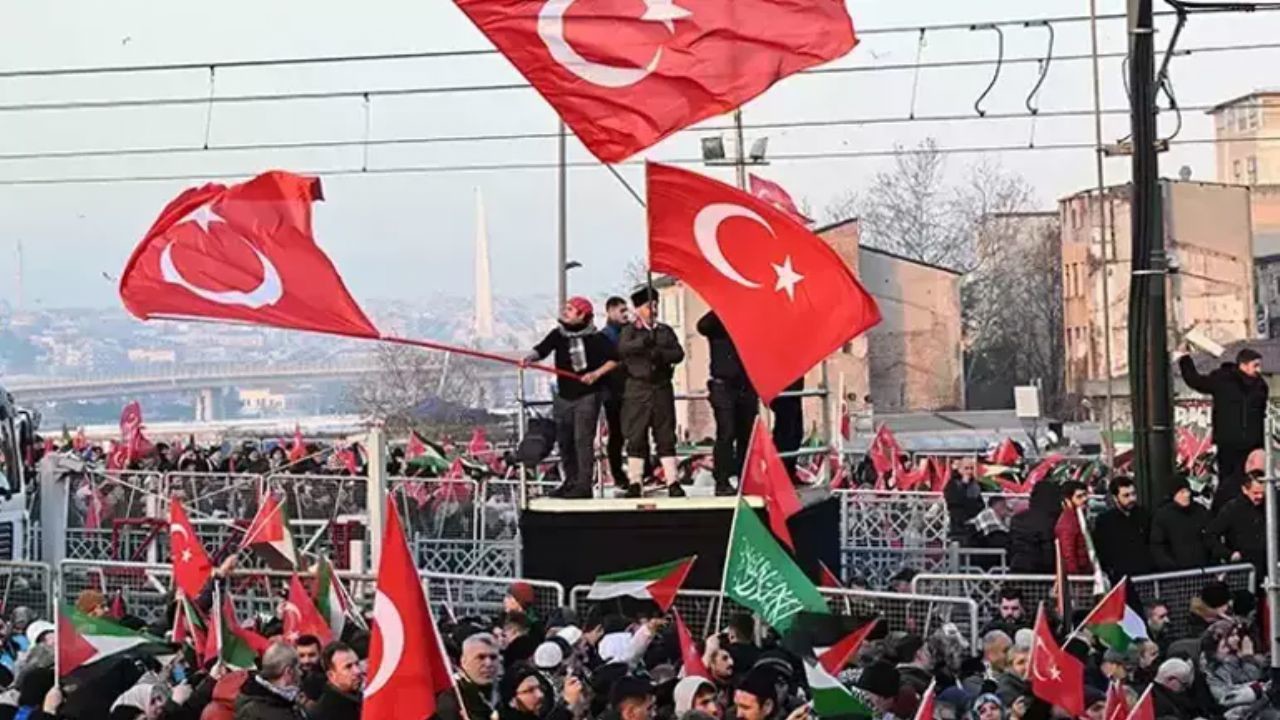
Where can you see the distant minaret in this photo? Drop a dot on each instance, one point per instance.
(17, 286)
(484, 287)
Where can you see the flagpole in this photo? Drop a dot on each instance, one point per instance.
(733, 527)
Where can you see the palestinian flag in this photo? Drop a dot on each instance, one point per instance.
(1115, 623)
(268, 535)
(830, 698)
(237, 647)
(189, 624)
(332, 600)
(658, 583)
(84, 639)
(421, 453)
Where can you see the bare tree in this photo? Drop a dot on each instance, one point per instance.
(636, 273)
(409, 379)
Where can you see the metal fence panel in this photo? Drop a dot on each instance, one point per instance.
(1176, 589)
(475, 596)
(984, 589)
(874, 567)
(468, 557)
(26, 584)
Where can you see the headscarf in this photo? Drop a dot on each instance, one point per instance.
(138, 696)
(984, 699)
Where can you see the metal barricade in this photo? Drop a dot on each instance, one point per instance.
(439, 508)
(321, 497)
(870, 518)
(914, 612)
(875, 567)
(468, 557)
(26, 584)
(476, 596)
(1176, 589)
(144, 587)
(985, 589)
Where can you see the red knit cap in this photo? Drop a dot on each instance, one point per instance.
(581, 304)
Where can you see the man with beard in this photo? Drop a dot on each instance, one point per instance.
(344, 678)
(1239, 395)
(585, 356)
(1122, 534)
(478, 670)
(618, 315)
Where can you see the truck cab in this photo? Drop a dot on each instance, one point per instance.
(17, 474)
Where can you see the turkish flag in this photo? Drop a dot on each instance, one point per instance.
(301, 617)
(136, 445)
(773, 194)
(406, 661)
(191, 566)
(884, 452)
(298, 450)
(1117, 703)
(689, 657)
(1056, 676)
(624, 75)
(764, 475)
(243, 253)
(785, 296)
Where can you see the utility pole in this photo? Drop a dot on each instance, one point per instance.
(1106, 242)
(562, 241)
(1148, 325)
(740, 157)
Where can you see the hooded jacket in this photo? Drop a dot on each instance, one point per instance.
(257, 701)
(1031, 532)
(1177, 536)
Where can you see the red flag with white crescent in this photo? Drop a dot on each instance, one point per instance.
(1056, 676)
(775, 195)
(191, 566)
(243, 253)
(764, 475)
(625, 75)
(773, 283)
(301, 616)
(407, 666)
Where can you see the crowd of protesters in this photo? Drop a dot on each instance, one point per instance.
(622, 660)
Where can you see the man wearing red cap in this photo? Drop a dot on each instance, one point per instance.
(581, 350)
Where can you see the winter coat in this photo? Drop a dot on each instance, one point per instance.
(336, 705)
(259, 702)
(1122, 541)
(1231, 680)
(1170, 704)
(1070, 537)
(964, 502)
(477, 699)
(914, 677)
(1240, 527)
(649, 356)
(1031, 532)
(726, 364)
(1010, 687)
(1239, 403)
(1177, 537)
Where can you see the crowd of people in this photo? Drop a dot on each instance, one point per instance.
(623, 660)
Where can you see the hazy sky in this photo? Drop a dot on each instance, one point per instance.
(401, 235)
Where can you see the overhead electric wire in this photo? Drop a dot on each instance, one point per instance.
(361, 93)
(638, 163)
(549, 135)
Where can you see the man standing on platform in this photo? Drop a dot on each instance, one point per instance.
(1239, 407)
(733, 401)
(617, 314)
(582, 351)
(649, 351)
(788, 424)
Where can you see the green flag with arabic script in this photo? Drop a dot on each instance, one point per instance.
(763, 577)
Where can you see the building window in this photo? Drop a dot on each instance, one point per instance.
(1253, 170)
(1235, 170)
(1242, 119)
(1254, 116)
(1277, 284)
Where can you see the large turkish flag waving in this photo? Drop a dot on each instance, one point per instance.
(786, 298)
(242, 253)
(625, 74)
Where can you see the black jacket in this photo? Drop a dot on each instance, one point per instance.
(260, 703)
(336, 705)
(649, 355)
(964, 502)
(1240, 527)
(726, 365)
(1239, 403)
(1174, 705)
(1123, 543)
(597, 350)
(1177, 536)
(1031, 532)
(478, 701)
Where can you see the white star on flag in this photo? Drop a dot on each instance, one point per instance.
(186, 556)
(788, 278)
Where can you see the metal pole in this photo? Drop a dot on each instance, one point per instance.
(740, 157)
(522, 427)
(562, 243)
(1273, 543)
(375, 490)
(1108, 413)
(1148, 344)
